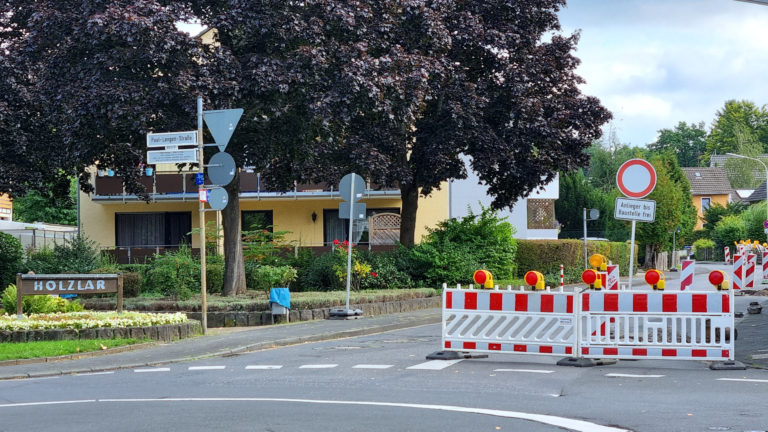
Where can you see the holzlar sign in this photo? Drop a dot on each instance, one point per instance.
(57, 284)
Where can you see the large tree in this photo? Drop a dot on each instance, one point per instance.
(688, 142)
(735, 122)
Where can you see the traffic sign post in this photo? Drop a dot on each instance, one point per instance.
(351, 189)
(636, 178)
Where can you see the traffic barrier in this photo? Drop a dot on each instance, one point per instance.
(484, 278)
(612, 280)
(727, 252)
(765, 266)
(749, 271)
(655, 279)
(509, 321)
(535, 280)
(686, 275)
(562, 276)
(737, 274)
(685, 325)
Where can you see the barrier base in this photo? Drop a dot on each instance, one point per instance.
(345, 314)
(728, 365)
(454, 355)
(585, 362)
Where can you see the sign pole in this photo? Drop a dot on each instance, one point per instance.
(586, 266)
(632, 254)
(201, 209)
(349, 246)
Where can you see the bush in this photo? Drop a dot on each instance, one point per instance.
(214, 277)
(38, 304)
(131, 284)
(76, 255)
(386, 273)
(266, 277)
(319, 275)
(753, 218)
(457, 247)
(729, 230)
(11, 259)
(174, 274)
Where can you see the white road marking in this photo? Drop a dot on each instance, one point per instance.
(525, 370)
(434, 365)
(263, 367)
(743, 380)
(65, 402)
(561, 422)
(371, 366)
(318, 366)
(618, 375)
(96, 373)
(152, 370)
(200, 368)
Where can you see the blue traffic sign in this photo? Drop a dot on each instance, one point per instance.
(199, 179)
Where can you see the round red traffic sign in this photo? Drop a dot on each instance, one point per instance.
(765, 224)
(636, 178)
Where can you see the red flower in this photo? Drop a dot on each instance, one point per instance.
(374, 274)
(336, 242)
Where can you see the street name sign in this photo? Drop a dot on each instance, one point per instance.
(171, 139)
(635, 210)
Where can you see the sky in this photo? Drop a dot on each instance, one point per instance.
(654, 63)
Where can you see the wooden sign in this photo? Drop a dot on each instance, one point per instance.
(57, 284)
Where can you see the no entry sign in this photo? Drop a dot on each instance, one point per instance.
(636, 178)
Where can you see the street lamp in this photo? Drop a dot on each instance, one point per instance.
(766, 177)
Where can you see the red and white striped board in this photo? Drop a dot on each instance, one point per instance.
(727, 253)
(657, 353)
(737, 274)
(765, 266)
(612, 280)
(749, 271)
(510, 301)
(686, 275)
(688, 302)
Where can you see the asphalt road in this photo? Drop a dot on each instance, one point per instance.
(383, 383)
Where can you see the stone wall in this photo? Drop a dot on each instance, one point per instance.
(165, 333)
(242, 319)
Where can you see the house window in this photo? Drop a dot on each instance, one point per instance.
(256, 220)
(337, 229)
(169, 229)
(541, 214)
(705, 204)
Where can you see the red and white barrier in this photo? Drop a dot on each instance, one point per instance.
(562, 276)
(509, 321)
(765, 266)
(612, 280)
(686, 275)
(684, 325)
(737, 274)
(727, 252)
(749, 271)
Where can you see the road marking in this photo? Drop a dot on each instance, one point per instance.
(199, 368)
(759, 356)
(96, 373)
(743, 380)
(318, 366)
(371, 366)
(434, 365)
(264, 367)
(561, 422)
(152, 370)
(525, 371)
(618, 375)
(65, 402)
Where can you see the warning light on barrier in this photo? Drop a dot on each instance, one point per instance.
(598, 262)
(535, 280)
(719, 279)
(484, 278)
(655, 279)
(591, 278)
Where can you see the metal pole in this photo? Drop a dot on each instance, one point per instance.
(632, 255)
(349, 246)
(585, 240)
(201, 209)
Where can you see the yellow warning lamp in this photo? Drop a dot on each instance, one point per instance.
(655, 279)
(591, 278)
(719, 279)
(598, 262)
(535, 280)
(484, 278)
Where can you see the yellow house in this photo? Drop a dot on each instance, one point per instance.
(709, 185)
(309, 213)
(6, 208)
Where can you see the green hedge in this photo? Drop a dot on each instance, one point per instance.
(547, 255)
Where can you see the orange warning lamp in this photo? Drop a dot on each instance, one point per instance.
(591, 278)
(719, 279)
(598, 262)
(655, 279)
(484, 278)
(535, 280)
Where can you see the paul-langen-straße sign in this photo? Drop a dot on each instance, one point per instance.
(57, 284)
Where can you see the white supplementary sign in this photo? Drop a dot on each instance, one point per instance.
(635, 209)
(171, 139)
(172, 156)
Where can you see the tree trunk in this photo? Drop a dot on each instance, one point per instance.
(410, 199)
(234, 270)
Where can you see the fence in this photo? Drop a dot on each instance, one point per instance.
(41, 238)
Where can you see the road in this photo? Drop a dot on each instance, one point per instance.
(383, 383)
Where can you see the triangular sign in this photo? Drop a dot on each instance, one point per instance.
(222, 124)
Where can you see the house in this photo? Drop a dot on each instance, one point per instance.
(6, 208)
(709, 185)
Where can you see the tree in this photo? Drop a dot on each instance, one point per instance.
(606, 156)
(576, 194)
(688, 142)
(397, 91)
(716, 212)
(38, 206)
(741, 171)
(735, 118)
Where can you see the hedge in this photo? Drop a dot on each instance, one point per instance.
(547, 255)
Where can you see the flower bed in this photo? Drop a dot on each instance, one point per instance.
(88, 320)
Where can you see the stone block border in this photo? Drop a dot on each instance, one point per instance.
(242, 319)
(164, 333)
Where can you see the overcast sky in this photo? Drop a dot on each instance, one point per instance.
(654, 63)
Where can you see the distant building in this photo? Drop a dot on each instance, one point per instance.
(6, 208)
(709, 186)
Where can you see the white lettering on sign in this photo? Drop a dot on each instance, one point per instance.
(100, 285)
(635, 209)
(38, 285)
(70, 285)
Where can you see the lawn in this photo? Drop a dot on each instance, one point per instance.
(28, 350)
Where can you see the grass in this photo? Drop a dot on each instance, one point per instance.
(28, 350)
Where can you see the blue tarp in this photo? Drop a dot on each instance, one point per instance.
(280, 296)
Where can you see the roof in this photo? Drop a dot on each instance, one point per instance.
(757, 195)
(708, 181)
